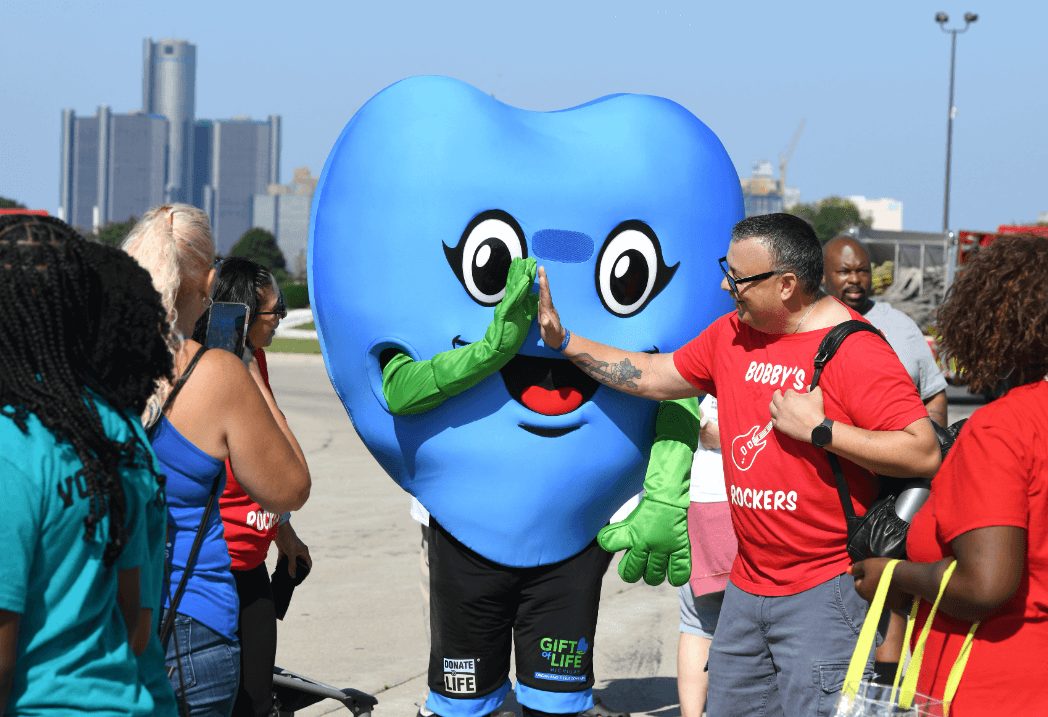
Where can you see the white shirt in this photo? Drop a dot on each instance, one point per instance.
(707, 470)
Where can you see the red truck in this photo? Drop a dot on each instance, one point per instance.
(42, 212)
(970, 242)
(974, 241)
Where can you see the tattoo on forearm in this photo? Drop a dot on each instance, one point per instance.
(617, 374)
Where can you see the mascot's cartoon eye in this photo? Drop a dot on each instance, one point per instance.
(630, 270)
(481, 259)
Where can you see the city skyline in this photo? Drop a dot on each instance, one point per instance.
(871, 80)
(116, 166)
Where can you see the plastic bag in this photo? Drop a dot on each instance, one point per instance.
(869, 699)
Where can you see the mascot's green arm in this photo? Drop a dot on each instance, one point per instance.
(655, 535)
(416, 386)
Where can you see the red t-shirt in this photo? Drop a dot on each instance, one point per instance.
(249, 529)
(996, 474)
(785, 508)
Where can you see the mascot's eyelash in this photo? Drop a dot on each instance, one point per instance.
(630, 271)
(482, 256)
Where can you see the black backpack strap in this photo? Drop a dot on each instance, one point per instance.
(842, 491)
(833, 340)
(827, 349)
(182, 379)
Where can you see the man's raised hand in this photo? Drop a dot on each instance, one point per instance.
(549, 320)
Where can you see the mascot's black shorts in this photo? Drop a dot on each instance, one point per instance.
(477, 606)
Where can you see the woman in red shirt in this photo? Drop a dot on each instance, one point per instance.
(988, 507)
(249, 529)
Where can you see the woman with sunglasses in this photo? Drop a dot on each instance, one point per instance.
(211, 411)
(249, 528)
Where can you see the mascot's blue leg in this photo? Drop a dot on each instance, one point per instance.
(467, 707)
(539, 703)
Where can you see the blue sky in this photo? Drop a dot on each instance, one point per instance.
(871, 80)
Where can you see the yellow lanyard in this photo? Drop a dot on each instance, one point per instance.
(906, 693)
(909, 685)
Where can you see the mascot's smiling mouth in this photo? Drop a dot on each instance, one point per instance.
(551, 387)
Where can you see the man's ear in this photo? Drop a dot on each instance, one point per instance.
(788, 286)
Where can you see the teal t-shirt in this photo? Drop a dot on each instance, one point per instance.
(72, 656)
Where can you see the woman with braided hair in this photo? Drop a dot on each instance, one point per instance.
(213, 410)
(79, 488)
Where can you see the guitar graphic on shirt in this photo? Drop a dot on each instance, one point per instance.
(746, 447)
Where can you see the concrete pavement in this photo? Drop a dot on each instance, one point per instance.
(357, 620)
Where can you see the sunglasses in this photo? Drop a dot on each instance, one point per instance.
(280, 309)
(734, 283)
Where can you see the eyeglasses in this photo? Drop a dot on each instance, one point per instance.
(734, 283)
(280, 309)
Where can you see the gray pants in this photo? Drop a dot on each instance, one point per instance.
(784, 656)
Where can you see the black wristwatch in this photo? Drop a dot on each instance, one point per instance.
(822, 434)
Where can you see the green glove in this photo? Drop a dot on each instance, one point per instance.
(655, 534)
(416, 386)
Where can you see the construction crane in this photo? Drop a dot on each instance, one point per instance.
(784, 159)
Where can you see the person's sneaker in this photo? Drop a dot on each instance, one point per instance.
(599, 710)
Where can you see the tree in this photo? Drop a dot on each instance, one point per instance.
(6, 203)
(830, 217)
(114, 233)
(261, 246)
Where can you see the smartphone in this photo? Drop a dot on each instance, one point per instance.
(227, 327)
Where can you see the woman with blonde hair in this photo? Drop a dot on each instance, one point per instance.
(213, 410)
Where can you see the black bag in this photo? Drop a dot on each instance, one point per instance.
(881, 532)
(283, 584)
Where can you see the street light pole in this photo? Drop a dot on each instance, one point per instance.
(942, 18)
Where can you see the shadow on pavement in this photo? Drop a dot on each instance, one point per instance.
(636, 695)
(647, 695)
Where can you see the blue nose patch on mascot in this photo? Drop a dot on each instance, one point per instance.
(431, 189)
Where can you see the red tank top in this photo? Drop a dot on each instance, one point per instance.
(249, 528)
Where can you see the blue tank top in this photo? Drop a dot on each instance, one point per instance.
(211, 594)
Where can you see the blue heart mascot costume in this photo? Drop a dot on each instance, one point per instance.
(431, 212)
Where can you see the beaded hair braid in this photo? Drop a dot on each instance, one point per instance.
(81, 321)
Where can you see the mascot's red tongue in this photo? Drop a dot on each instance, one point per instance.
(551, 403)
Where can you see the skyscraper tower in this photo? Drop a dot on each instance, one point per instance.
(236, 159)
(113, 166)
(169, 89)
